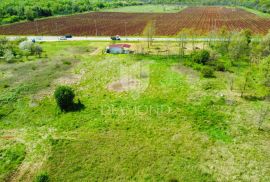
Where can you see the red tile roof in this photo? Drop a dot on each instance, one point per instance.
(120, 45)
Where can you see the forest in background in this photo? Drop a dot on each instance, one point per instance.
(14, 11)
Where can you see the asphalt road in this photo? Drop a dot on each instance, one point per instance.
(131, 39)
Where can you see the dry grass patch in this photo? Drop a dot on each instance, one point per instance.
(192, 75)
(124, 84)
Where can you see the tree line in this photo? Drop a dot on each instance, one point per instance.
(14, 11)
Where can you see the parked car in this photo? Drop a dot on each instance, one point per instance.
(68, 36)
(117, 37)
(63, 38)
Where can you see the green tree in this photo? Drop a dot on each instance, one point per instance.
(29, 14)
(200, 57)
(64, 97)
(207, 72)
(36, 50)
(239, 46)
(183, 34)
(8, 56)
(265, 70)
(265, 45)
(225, 36)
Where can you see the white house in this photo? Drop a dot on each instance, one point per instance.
(119, 49)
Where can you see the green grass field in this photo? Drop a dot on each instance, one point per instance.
(256, 12)
(176, 125)
(147, 9)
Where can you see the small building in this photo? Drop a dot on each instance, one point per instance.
(119, 49)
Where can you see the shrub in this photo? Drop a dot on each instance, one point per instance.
(43, 177)
(220, 66)
(207, 72)
(26, 46)
(193, 65)
(36, 49)
(30, 48)
(66, 62)
(64, 97)
(201, 57)
(8, 56)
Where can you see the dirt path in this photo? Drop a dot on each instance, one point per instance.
(96, 52)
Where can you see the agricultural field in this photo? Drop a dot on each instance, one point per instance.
(174, 126)
(199, 20)
(211, 19)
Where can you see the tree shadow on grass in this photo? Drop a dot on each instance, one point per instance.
(254, 98)
(75, 107)
(78, 106)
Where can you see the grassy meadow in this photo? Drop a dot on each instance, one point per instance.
(256, 12)
(175, 126)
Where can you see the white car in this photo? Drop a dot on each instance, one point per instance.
(62, 38)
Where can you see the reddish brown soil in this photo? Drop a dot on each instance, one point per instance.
(201, 20)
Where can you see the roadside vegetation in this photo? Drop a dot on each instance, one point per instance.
(257, 12)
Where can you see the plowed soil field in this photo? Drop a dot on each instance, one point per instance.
(201, 20)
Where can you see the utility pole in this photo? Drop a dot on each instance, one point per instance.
(153, 31)
(89, 24)
(96, 27)
(36, 26)
(126, 30)
(56, 28)
(149, 35)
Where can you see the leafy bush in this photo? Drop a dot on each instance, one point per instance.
(10, 19)
(66, 62)
(220, 66)
(26, 45)
(207, 72)
(193, 65)
(201, 57)
(36, 49)
(43, 177)
(30, 47)
(64, 97)
(8, 55)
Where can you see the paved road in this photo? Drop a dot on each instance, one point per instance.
(131, 39)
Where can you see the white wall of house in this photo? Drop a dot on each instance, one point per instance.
(116, 50)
